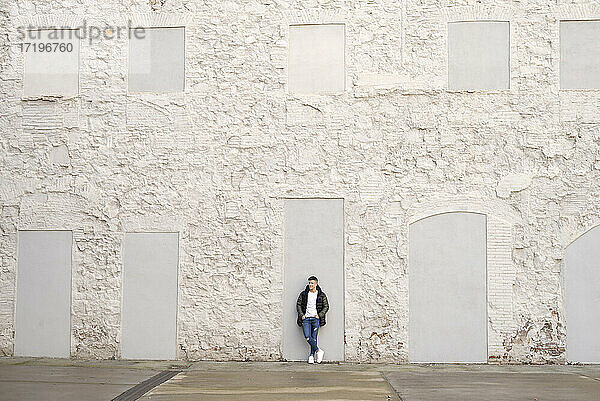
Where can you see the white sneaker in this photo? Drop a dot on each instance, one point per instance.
(320, 354)
(311, 359)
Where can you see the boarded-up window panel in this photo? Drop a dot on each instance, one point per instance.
(51, 62)
(447, 289)
(479, 55)
(43, 317)
(580, 54)
(314, 245)
(582, 298)
(157, 60)
(316, 58)
(149, 319)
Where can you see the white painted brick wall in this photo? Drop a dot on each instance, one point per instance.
(215, 162)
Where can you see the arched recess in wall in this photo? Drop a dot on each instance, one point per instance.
(502, 222)
(447, 288)
(581, 279)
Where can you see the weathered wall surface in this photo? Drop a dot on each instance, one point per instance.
(215, 162)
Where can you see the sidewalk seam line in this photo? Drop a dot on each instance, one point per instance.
(142, 388)
(390, 385)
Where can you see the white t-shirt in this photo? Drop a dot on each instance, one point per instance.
(311, 304)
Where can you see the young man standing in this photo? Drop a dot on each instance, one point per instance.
(312, 305)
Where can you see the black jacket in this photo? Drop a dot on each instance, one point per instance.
(322, 305)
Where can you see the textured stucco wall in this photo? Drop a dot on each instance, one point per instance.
(215, 162)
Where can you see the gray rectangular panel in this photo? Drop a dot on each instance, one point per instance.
(54, 72)
(157, 60)
(314, 245)
(43, 319)
(478, 55)
(582, 298)
(316, 58)
(149, 320)
(447, 289)
(580, 54)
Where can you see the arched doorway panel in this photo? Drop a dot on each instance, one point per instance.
(447, 288)
(581, 281)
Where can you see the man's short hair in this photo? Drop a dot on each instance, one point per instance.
(313, 278)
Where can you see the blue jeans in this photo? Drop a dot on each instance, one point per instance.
(310, 328)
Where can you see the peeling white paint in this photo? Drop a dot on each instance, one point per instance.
(513, 183)
(214, 162)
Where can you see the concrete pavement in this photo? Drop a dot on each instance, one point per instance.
(49, 379)
(273, 386)
(64, 379)
(506, 383)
